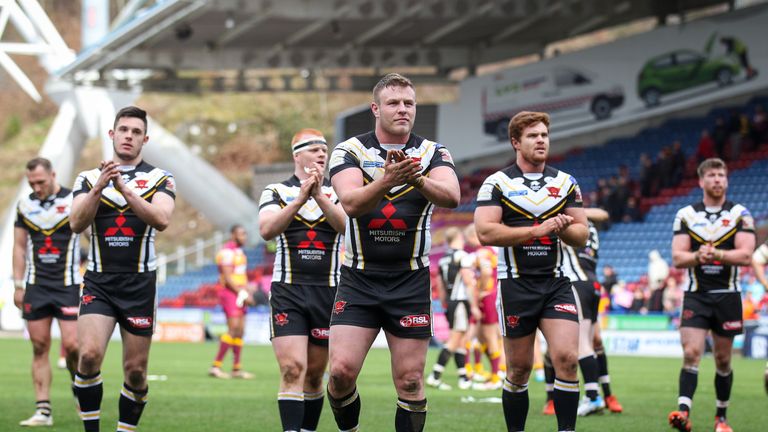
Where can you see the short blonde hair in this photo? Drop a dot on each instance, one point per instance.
(710, 164)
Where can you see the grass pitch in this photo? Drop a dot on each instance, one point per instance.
(184, 398)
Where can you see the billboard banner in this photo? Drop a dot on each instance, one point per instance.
(647, 75)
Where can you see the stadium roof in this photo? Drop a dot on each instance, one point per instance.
(313, 36)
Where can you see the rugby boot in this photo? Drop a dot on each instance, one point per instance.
(38, 419)
(613, 404)
(437, 383)
(589, 407)
(549, 408)
(721, 425)
(216, 372)
(680, 421)
(241, 374)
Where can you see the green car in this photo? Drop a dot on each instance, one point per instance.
(679, 70)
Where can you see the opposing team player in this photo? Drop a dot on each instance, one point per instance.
(125, 202)
(712, 238)
(234, 297)
(487, 321)
(45, 270)
(457, 289)
(388, 181)
(580, 266)
(529, 210)
(305, 216)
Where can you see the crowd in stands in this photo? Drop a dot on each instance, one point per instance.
(728, 138)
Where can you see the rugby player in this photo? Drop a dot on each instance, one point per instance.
(125, 202)
(305, 216)
(46, 277)
(388, 181)
(530, 210)
(234, 297)
(712, 238)
(457, 286)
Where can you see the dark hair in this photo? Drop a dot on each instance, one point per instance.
(39, 161)
(711, 163)
(524, 119)
(390, 80)
(132, 111)
(234, 228)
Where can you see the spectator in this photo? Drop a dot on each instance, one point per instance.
(678, 162)
(656, 299)
(749, 308)
(658, 270)
(609, 279)
(647, 175)
(720, 136)
(632, 213)
(760, 125)
(706, 147)
(673, 297)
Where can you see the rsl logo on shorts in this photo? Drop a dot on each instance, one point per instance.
(320, 333)
(567, 307)
(140, 322)
(421, 320)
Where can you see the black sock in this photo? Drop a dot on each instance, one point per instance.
(689, 377)
(442, 360)
(410, 415)
(589, 370)
(346, 410)
(549, 377)
(89, 391)
(131, 406)
(514, 400)
(603, 377)
(566, 404)
(723, 384)
(43, 407)
(291, 407)
(460, 357)
(313, 406)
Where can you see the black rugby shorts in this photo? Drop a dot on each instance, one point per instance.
(525, 301)
(398, 302)
(48, 301)
(301, 310)
(719, 312)
(131, 298)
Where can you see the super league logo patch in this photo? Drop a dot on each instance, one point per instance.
(87, 299)
(140, 322)
(567, 307)
(339, 306)
(687, 314)
(513, 321)
(415, 320)
(281, 319)
(320, 333)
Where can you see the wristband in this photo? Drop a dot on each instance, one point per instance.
(722, 254)
(19, 284)
(419, 182)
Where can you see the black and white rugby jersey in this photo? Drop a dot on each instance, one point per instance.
(120, 241)
(717, 226)
(395, 236)
(308, 250)
(581, 264)
(53, 250)
(450, 273)
(528, 200)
